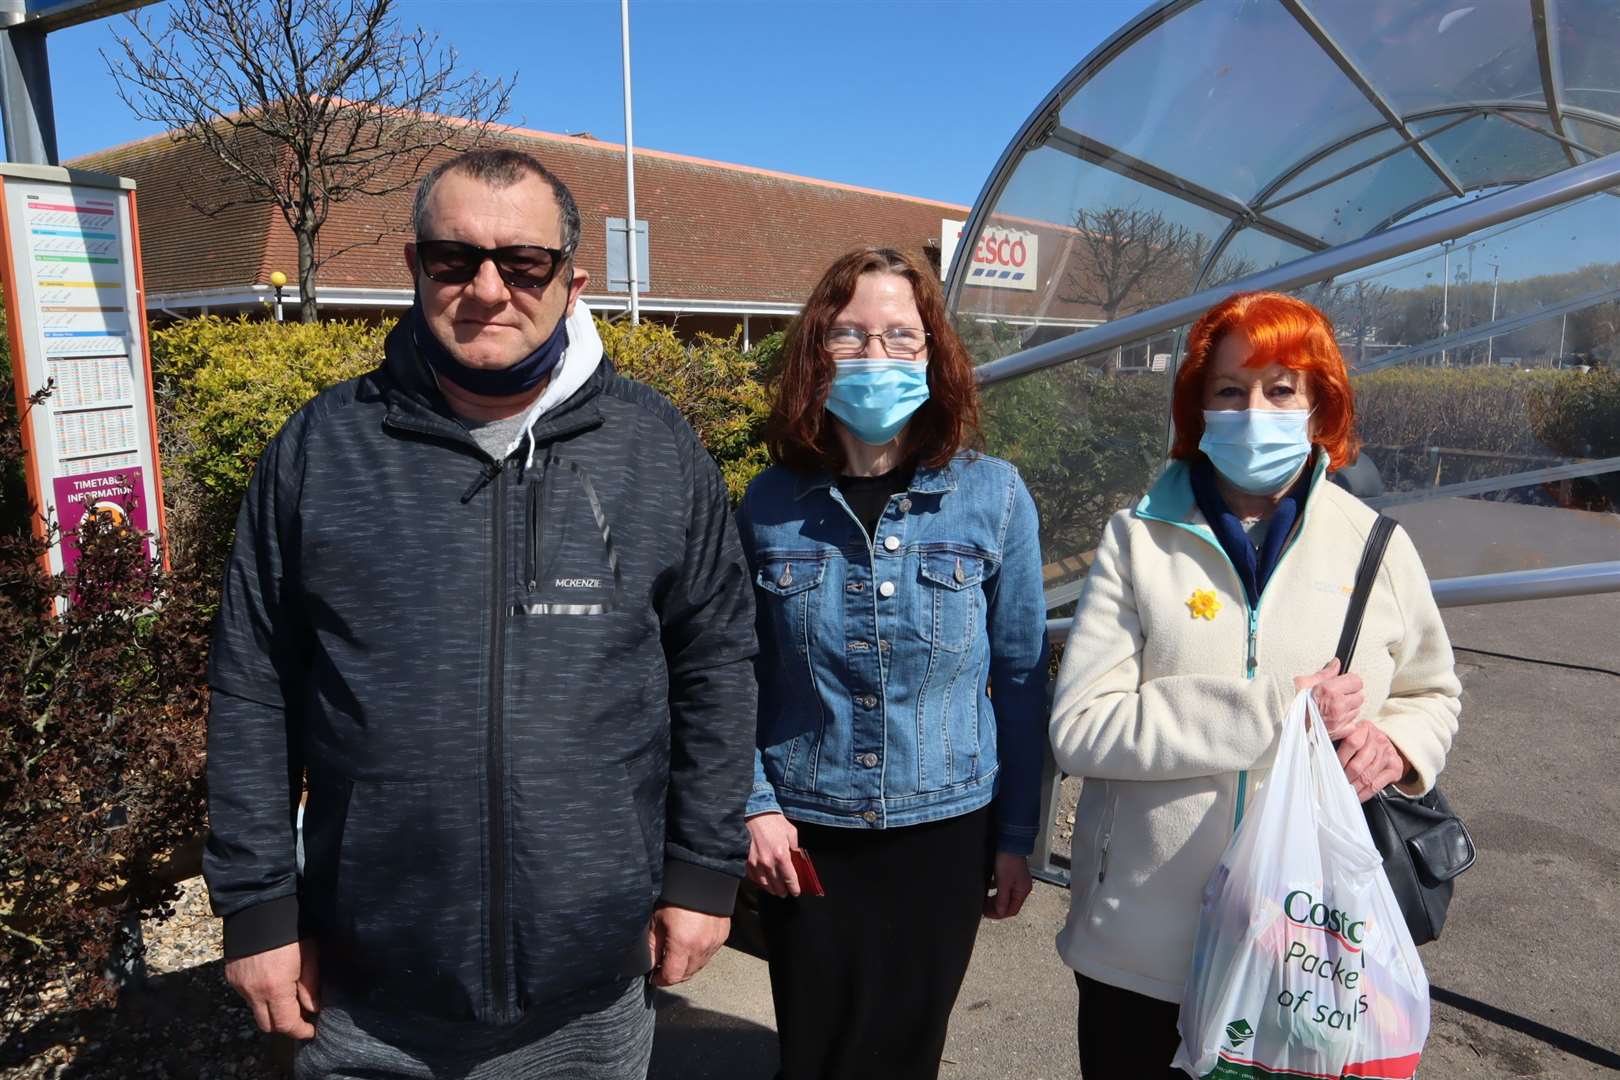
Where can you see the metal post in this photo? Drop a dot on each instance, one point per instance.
(1361, 323)
(1490, 342)
(1558, 361)
(1445, 300)
(629, 165)
(1044, 869)
(746, 343)
(25, 89)
(1515, 202)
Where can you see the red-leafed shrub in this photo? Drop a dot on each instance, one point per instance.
(102, 720)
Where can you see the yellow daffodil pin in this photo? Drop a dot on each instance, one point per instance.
(1202, 604)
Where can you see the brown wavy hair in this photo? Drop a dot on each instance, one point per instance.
(799, 433)
(1284, 330)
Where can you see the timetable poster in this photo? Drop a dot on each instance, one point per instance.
(73, 279)
(113, 496)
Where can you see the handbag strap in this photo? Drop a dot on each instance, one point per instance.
(1371, 555)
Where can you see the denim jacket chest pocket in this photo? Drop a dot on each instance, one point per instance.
(789, 588)
(950, 609)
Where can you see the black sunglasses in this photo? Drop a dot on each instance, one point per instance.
(522, 266)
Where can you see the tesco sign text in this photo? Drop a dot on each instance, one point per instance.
(1002, 259)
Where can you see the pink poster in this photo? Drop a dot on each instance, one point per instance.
(116, 494)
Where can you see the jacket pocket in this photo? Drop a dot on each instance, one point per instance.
(952, 609)
(402, 852)
(569, 564)
(1102, 845)
(586, 864)
(790, 585)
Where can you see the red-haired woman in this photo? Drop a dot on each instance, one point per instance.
(898, 584)
(1209, 605)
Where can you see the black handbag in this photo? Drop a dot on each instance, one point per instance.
(1424, 843)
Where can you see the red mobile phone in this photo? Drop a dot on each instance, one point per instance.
(805, 870)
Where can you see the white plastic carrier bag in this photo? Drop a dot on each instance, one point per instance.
(1303, 965)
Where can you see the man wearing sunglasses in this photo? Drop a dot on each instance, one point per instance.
(488, 609)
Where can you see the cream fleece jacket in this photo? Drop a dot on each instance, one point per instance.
(1155, 710)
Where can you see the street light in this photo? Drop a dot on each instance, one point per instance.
(278, 280)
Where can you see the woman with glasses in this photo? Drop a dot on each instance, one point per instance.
(902, 674)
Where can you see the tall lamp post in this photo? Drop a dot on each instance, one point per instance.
(278, 281)
(629, 166)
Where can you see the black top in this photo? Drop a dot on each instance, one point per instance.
(869, 496)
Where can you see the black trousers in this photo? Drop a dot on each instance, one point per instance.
(864, 978)
(1125, 1035)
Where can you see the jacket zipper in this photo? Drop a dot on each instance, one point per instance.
(1251, 660)
(497, 749)
(1107, 837)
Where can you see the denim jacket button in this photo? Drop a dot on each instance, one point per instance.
(891, 543)
(886, 589)
(867, 701)
(905, 505)
(869, 817)
(869, 760)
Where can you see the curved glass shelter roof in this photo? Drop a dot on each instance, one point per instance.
(1435, 175)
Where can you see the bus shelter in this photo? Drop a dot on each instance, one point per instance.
(1442, 178)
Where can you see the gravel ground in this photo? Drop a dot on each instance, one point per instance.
(186, 1024)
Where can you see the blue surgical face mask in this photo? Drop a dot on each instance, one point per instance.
(875, 398)
(1258, 450)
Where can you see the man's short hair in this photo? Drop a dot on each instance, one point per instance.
(499, 167)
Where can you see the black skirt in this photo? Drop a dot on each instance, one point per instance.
(864, 978)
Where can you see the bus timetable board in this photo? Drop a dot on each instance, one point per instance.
(75, 307)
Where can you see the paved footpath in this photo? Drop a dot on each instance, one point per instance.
(1526, 979)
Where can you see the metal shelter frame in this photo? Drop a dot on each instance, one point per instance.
(1488, 201)
(1509, 198)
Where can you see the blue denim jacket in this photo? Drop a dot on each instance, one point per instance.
(903, 680)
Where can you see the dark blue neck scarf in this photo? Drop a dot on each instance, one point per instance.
(522, 376)
(1254, 567)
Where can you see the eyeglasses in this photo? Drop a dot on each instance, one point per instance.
(901, 343)
(522, 266)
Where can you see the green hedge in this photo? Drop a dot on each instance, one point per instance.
(225, 386)
(1087, 441)
(1532, 418)
(713, 381)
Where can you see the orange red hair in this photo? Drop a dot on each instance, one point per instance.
(1284, 330)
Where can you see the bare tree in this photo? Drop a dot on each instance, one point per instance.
(306, 103)
(1127, 259)
(1359, 310)
(1229, 267)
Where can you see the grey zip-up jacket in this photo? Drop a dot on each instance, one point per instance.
(520, 694)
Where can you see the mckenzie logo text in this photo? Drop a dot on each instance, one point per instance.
(578, 583)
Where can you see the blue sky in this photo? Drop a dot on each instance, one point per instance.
(914, 96)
